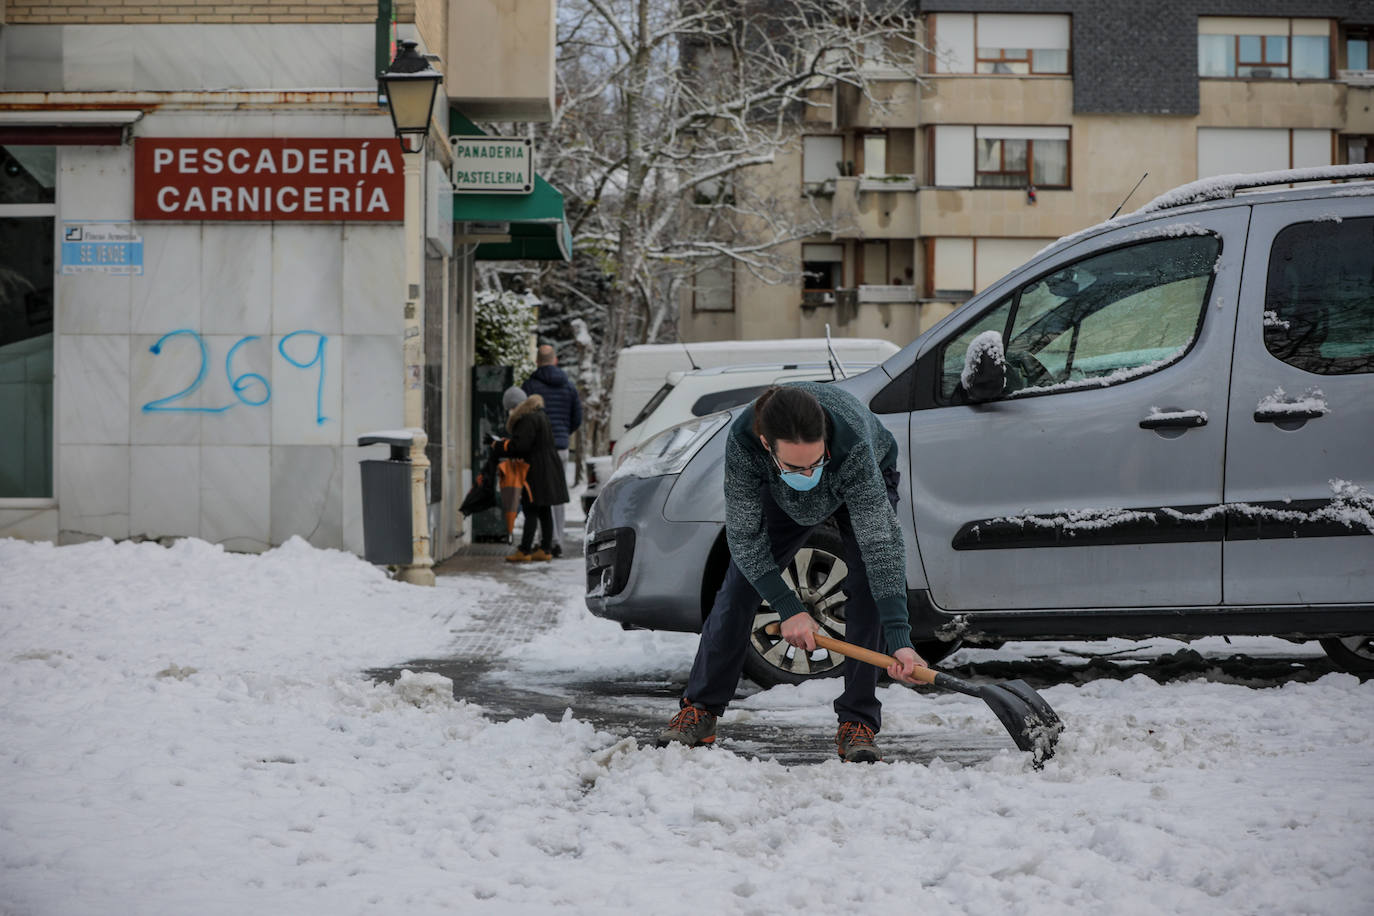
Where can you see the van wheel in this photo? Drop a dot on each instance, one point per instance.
(1351, 653)
(816, 574)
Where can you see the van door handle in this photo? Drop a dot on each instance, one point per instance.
(1174, 419)
(1282, 413)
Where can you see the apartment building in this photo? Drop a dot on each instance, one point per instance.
(1034, 119)
(219, 267)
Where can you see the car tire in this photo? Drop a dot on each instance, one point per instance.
(817, 576)
(1351, 653)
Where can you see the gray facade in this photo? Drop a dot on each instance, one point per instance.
(1132, 57)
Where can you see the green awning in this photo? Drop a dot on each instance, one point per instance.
(538, 228)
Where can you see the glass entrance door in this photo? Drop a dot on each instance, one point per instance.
(28, 176)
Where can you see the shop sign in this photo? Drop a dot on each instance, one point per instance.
(492, 165)
(285, 180)
(102, 247)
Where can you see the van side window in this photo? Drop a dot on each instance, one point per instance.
(724, 400)
(1105, 319)
(1319, 300)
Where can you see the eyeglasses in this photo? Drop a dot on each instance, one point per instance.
(793, 469)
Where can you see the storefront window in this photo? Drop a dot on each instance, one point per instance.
(27, 213)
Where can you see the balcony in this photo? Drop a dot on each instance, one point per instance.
(889, 104)
(885, 293)
(875, 208)
(1356, 77)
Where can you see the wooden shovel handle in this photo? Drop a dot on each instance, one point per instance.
(858, 653)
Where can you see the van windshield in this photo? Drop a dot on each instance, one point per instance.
(650, 407)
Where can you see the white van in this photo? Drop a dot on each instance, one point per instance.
(696, 393)
(648, 371)
(641, 371)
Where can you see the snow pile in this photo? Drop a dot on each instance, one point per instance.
(1197, 417)
(988, 343)
(1313, 400)
(188, 731)
(1219, 187)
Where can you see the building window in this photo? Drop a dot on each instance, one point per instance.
(1277, 49)
(1357, 49)
(822, 273)
(1318, 312)
(1000, 157)
(713, 287)
(1015, 44)
(28, 210)
(1224, 150)
(1015, 162)
(956, 268)
(822, 158)
(1101, 321)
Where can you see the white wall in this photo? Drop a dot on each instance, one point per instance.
(954, 156)
(142, 449)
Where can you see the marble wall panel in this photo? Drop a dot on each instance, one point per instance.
(170, 57)
(93, 303)
(205, 124)
(97, 58)
(307, 390)
(235, 497)
(92, 389)
(377, 125)
(167, 296)
(166, 389)
(306, 56)
(236, 278)
(248, 419)
(357, 56)
(93, 492)
(32, 57)
(373, 377)
(239, 56)
(374, 288)
(307, 494)
(29, 524)
(307, 278)
(164, 490)
(95, 182)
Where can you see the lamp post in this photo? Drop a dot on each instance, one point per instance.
(410, 85)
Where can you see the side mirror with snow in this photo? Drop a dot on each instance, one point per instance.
(985, 368)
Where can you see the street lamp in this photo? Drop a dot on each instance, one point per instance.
(409, 85)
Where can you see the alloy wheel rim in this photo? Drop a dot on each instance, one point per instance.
(817, 577)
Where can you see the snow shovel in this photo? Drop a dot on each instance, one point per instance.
(1033, 725)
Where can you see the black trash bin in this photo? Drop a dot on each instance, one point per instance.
(387, 512)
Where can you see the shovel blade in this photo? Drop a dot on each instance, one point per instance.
(1032, 724)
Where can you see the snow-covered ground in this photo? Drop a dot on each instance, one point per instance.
(188, 731)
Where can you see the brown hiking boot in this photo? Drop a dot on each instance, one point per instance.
(519, 557)
(854, 743)
(692, 726)
(540, 555)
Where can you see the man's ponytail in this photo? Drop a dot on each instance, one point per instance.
(790, 414)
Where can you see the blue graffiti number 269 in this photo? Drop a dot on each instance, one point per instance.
(244, 385)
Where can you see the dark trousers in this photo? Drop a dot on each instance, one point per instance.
(544, 516)
(725, 634)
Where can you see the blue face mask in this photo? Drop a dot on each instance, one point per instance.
(799, 481)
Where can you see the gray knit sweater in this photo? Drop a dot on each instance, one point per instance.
(861, 448)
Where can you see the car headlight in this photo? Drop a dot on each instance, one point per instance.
(669, 451)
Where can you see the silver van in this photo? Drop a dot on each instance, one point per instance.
(1160, 426)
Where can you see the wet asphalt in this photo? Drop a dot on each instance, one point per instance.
(637, 704)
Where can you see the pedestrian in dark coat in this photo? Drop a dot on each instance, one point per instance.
(564, 408)
(531, 438)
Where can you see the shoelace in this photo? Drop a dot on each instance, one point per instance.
(856, 734)
(680, 721)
